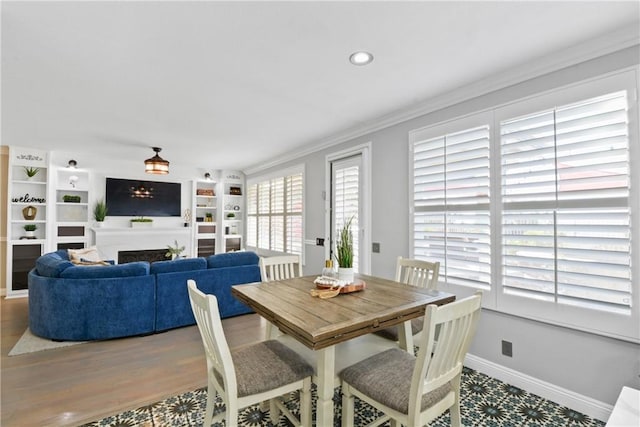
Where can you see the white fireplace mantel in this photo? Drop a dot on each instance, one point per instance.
(110, 241)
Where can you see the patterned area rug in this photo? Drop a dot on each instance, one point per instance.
(486, 402)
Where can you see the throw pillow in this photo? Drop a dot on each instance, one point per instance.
(81, 256)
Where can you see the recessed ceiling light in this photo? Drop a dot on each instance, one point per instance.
(361, 58)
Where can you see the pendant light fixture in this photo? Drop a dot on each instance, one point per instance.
(156, 165)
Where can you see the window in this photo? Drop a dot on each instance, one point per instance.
(451, 221)
(532, 203)
(566, 233)
(274, 214)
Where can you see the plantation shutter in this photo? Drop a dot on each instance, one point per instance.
(252, 215)
(274, 216)
(346, 191)
(566, 230)
(451, 221)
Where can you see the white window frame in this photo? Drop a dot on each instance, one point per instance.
(294, 170)
(621, 326)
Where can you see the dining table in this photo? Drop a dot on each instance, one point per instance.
(320, 324)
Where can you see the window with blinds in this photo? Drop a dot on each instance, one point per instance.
(451, 221)
(566, 234)
(274, 214)
(533, 203)
(346, 202)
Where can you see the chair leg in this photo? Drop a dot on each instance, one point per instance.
(454, 411)
(305, 403)
(231, 418)
(208, 414)
(274, 412)
(348, 411)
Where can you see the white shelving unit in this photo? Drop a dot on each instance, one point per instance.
(27, 204)
(204, 217)
(233, 218)
(72, 209)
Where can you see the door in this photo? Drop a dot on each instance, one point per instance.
(348, 201)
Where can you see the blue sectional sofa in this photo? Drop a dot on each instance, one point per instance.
(79, 303)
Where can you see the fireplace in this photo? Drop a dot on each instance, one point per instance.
(150, 255)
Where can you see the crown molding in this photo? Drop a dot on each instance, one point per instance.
(618, 40)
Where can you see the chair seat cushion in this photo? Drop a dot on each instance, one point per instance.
(392, 332)
(386, 377)
(267, 365)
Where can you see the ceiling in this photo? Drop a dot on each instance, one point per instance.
(233, 85)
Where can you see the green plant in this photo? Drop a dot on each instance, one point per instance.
(141, 219)
(231, 215)
(344, 246)
(208, 214)
(31, 172)
(100, 210)
(69, 198)
(30, 227)
(174, 251)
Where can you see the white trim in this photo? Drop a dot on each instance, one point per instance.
(618, 40)
(584, 404)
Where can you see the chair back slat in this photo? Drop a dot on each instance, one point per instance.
(423, 274)
(280, 267)
(218, 355)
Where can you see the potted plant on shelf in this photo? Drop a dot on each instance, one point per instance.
(70, 198)
(344, 253)
(208, 217)
(31, 172)
(231, 215)
(141, 222)
(174, 252)
(30, 230)
(99, 212)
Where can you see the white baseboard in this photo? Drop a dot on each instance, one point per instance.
(586, 405)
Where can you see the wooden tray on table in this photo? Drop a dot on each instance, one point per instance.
(356, 286)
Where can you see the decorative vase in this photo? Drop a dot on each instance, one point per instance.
(30, 233)
(99, 224)
(345, 274)
(29, 212)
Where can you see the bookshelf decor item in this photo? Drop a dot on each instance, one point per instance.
(29, 213)
(235, 191)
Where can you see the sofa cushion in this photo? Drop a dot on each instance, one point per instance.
(181, 264)
(140, 268)
(232, 259)
(53, 264)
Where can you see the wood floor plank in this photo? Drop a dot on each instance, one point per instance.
(72, 385)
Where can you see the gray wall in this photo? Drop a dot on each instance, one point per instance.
(584, 363)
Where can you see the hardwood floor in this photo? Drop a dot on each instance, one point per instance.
(73, 385)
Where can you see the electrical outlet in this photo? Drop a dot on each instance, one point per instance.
(319, 241)
(507, 348)
(375, 248)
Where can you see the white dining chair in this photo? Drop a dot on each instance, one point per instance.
(423, 274)
(248, 375)
(278, 268)
(412, 390)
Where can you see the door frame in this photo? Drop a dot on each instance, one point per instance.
(363, 150)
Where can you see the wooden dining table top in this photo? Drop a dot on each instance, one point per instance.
(319, 323)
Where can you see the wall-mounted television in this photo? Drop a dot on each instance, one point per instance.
(132, 197)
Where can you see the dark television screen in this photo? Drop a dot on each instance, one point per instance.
(132, 197)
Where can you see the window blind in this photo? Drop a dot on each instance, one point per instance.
(566, 223)
(274, 214)
(451, 220)
(346, 203)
